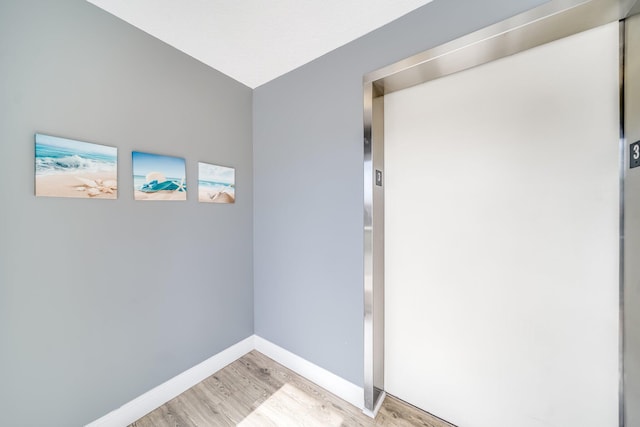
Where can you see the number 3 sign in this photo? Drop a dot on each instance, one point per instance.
(634, 158)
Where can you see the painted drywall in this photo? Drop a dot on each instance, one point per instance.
(102, 300)
(308, 184)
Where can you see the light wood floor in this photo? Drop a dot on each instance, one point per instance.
(256, 391)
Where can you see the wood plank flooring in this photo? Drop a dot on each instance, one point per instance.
(256, 391)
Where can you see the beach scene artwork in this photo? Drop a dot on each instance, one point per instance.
(216, 184)
(69, 168)
(157, 177)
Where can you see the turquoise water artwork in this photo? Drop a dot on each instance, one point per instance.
(158, 177)
(69, 168)
(216, 184)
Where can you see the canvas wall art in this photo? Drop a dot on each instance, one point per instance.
(216, 184)
(157, 177)
(70, 168)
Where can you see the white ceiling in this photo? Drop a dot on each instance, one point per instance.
(255, 41)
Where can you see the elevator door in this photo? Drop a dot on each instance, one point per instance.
(501, 239)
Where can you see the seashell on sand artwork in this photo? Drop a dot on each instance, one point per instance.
(221, 197)
(155, 176)
(97, 187)
(88, 182)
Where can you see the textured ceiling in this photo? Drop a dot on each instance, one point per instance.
(255, 41)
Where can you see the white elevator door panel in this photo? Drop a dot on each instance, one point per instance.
(501, 239)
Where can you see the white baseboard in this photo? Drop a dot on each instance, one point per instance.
(158, 396)
(314, 373)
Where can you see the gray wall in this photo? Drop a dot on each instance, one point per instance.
(102, 300)
(308, 184)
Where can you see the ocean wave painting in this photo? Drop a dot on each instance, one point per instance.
(70, 168)
(157, 177)
(216, 184)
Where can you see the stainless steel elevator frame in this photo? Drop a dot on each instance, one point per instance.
(630, 283)
(551, 21)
